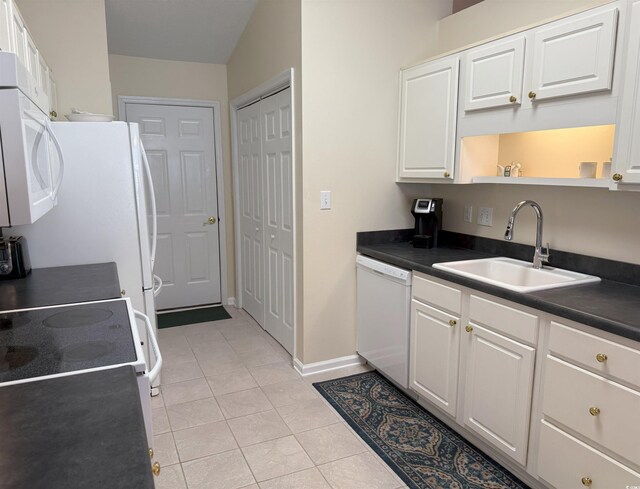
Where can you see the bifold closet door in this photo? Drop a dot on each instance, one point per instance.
(266, 214)
(251, 216)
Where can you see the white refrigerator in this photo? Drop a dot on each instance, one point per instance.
(105, 212)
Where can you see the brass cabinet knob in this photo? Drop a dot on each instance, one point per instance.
(586, 481)
(594, 411)
(513, 99)
(447, 174)
(532, 95)
(211, 220)
(617, 177)
(452, 322)
(601, 357)
(155, 468)
(150, 452)
(468, 328)
(53, 114)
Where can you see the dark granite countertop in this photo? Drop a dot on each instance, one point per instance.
(609, 305)
(79, 431)
(61, 285)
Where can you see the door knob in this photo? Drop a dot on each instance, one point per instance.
(513, 99)
(211, 220)
(532, 95)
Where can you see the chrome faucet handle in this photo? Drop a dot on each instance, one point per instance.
(544, 253)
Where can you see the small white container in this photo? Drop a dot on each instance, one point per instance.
(588, 169)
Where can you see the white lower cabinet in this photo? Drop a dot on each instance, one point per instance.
(498, 387)
(569, 420)
(434, 355)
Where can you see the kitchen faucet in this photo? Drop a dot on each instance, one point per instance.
(538, 256)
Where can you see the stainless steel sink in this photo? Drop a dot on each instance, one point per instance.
(516, 275)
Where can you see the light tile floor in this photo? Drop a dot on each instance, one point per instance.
(233, 414)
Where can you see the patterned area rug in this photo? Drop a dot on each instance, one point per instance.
(424, 452)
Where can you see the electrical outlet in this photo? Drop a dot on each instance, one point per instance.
(325, 199)
(468, 213)
(485, 216)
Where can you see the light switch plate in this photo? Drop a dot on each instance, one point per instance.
(468, 213)
(325, 199)
(485, 216)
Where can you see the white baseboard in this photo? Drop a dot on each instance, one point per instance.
(231, 301)
(327, 365)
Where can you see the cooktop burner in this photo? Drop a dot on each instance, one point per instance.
(12, 357)
(78, 317)
(89, 350)
(52, 340)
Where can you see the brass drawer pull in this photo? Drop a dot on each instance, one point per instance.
(594, 411)
(513, 99)
(468, 328)
(586, 481)
(452, 322)
(155, 468)
(601, 357)
(532, 95)
(150, 452)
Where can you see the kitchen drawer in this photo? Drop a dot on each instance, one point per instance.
(505, 319)
(440, 295)
(564, 461)
(586, 349)
(569, 393)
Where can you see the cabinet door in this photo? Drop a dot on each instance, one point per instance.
(497, 393)
(53, 96)
(428, 106)
(19, 35)
(574, 55)
(493, 75)
(626, 162)
(433, 370)
(5, 26)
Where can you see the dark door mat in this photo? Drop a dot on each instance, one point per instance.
(193, 316)
(424, 452)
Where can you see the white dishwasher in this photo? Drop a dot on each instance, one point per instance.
(384, 301)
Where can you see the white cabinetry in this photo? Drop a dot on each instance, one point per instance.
(591, 397)
(428, 114)
(435, 343)
(5, 23)
(499, 374)
(492, 395)
(574, 55)
(626, 161)
(494, 74)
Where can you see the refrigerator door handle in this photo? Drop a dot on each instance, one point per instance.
(155, 371)
(154, 211)
(157, 285)
(56, 143)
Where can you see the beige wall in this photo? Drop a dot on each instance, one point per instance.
(352, 53)
(72, 35)
(582, 220)
(270, 44)
(146, 77)
(493, 17)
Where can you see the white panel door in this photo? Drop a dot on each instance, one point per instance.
(251, 211)
(574, 56)
(6, 40)
(494, 74)
(433, 370)
(497, 393)
(627, 152)
(179, 142)
(278, 216)
(19, 35)
(428, 107)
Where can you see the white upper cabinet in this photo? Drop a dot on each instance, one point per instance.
(574, 55)
(19, 30)
(494, 74)
(428, 109)
(5, 26)
(626, 159)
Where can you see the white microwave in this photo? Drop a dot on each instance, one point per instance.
(31, 157)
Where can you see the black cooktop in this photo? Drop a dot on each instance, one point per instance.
(52, 340)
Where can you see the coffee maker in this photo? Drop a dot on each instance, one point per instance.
(428, 215)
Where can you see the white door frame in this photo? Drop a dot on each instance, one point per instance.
(279, 82)
(123, 100)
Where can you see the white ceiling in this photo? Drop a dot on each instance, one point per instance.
(204, 31)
